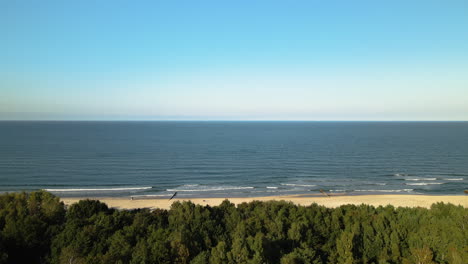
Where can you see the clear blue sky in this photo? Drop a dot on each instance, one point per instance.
(234, 60)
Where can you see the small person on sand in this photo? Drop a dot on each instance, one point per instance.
(322, 191)
(173, 196)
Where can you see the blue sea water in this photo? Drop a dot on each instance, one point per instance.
(228, 159)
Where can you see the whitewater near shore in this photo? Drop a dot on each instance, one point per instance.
(332, 201)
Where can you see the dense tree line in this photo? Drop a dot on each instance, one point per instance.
(36, 228)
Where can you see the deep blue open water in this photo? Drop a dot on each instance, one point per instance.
(226, 159)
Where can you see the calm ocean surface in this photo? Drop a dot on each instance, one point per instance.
(227, 159)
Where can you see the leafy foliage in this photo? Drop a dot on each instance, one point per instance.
(28, 223)
(36, 228)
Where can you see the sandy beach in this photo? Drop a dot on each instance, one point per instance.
(332, 201)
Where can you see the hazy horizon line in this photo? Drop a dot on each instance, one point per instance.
(214, 120)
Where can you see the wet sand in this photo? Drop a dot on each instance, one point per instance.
(332, 201)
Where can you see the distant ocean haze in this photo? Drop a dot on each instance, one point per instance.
(232, 159)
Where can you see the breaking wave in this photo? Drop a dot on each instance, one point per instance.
(150, 195)
(99, 189)
(424, 183)
(401, 190)
(209, 189)
(420, 179)
(298, 185)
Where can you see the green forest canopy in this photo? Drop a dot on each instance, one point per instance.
(37, 228)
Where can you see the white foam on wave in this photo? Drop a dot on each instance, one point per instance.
(271, 187)
(454, 179)
(98, 189)
(400, 174)
(420, 179)
(424, 183)
(362, 184)
(209, 189)
(401, 190)
(151, 195)
(298, 185)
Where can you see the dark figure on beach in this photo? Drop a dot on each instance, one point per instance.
(322, 191)
(173, 196)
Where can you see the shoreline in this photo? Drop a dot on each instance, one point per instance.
(397, 200)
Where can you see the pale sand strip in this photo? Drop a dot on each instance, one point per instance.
(333, 201)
